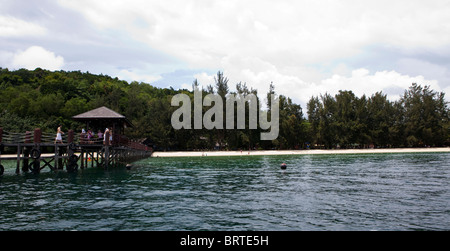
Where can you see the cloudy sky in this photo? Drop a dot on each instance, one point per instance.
(305, 47)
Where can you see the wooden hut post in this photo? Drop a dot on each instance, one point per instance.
(70, 136)
(37, 136)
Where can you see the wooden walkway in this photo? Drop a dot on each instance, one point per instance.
(36, 151)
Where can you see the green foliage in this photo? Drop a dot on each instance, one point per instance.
(11, 122)
(420, 118)
(45, 99)
(426, 116)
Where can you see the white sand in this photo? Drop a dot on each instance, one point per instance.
(298, 152)
(285, 152)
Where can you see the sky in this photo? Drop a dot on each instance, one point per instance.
(305, 47)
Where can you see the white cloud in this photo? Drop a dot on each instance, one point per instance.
(425, 68)
(204, 79)
(292, 43)
(6, 57)
(134, 76)
(36, 56)
(362, 82)
(305, 31)
(13, 27)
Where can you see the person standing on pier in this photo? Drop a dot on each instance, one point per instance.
(104, 135)
(59, 133)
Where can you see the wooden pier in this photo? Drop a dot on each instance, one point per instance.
(36, 151)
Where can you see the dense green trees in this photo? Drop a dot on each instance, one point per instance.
(40, 98)
(425, 116)
(419, 118)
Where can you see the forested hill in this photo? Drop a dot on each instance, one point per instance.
(45, 99)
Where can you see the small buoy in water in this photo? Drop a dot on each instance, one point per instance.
(129, 166)
(283, 166)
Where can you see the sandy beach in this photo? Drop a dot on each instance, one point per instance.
(279, 152)
(298, 152)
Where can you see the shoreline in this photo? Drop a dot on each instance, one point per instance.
(184, 154)
(298, 152)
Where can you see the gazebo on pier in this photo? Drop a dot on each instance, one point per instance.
(103, 117)
(119, 149)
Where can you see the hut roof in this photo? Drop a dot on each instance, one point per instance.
(102, 113)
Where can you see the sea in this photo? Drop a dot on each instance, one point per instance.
(346, 192)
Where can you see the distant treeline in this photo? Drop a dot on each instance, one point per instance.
(419, 118)
(45, 99)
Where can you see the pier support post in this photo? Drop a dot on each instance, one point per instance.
(37, 159)
(56, 156)
(82, 158)
(106, 157)
(86, 158)
(2, 169)
(107, 144)
(25, 163)
(61, 152)
(25, 153)
(72, 161)
(18, 158)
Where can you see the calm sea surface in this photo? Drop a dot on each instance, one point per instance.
(316, 192)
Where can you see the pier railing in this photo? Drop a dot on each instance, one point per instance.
(37, 137)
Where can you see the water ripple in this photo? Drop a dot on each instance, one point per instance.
(330, 192)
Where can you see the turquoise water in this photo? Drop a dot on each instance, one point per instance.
(316, 192)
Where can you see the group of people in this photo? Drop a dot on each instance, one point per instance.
(89, 135)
